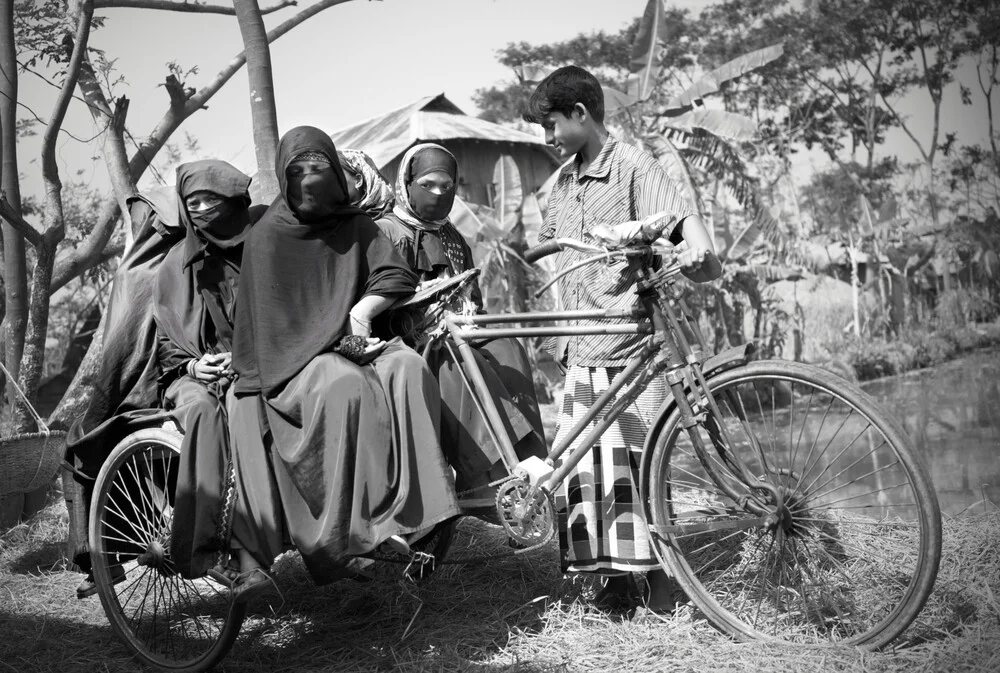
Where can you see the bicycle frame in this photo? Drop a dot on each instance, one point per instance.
(667, 351)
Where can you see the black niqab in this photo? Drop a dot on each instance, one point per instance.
(301, 278)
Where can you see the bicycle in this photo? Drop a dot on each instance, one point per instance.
(774, 527)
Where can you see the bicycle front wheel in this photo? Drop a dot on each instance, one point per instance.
(832, 533)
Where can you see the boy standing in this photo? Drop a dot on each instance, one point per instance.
(601, 521)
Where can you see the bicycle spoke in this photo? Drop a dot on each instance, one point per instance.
(147, 506)
(805, 423)
(855, 463)
(829, 503)
(141, 528)
(842, 451)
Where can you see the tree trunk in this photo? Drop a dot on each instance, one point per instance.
(855, 287)
(14, 260)
(262, 107)
(92, 250)
(81, 389)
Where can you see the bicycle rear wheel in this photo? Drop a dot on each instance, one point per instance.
(167, 621)
(845, 545)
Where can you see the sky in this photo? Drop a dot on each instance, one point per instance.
(349, 63)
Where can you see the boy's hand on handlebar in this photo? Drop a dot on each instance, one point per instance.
(629, 233)
(691, 258)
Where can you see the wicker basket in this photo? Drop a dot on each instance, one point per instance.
(30, 461)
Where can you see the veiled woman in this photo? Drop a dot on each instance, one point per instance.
(193, 301)
(419, 227)
(335, 432)
(366, 187)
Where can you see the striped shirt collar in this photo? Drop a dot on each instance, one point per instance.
(600, 166)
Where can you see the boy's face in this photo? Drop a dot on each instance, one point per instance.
(567, 135)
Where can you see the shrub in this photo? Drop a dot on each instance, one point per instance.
(929, 349)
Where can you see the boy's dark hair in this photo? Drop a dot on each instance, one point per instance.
(563, 89)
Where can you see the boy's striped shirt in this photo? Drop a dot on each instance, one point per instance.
(622, 184)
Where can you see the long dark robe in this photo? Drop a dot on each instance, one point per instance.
(334, 456)
(465, 435)
(193, 301)
(125, 389)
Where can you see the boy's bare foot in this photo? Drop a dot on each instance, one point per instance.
(662, 592)
(618, 594)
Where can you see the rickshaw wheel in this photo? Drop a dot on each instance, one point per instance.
(168, 622)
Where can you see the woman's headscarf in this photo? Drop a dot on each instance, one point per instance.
(300, 278)
(223, 225)
(418, 161)
(188, 272)
(376, 193)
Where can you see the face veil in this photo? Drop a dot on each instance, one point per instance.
(416, 206)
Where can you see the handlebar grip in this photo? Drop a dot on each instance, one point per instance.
(532, 255)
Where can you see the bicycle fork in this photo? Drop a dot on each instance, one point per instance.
(680, 359)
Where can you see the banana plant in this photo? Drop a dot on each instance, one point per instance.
(497, 234)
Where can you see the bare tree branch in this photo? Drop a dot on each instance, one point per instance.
(50, 171)
(88, 253)
(8, 213)
(177, 114)
(184, 6)
(91, 250)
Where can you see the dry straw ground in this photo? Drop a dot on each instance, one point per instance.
(510, 613)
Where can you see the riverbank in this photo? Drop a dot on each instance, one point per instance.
(914, 349)
(508, 614)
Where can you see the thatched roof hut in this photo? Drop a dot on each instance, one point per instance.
(476, 143)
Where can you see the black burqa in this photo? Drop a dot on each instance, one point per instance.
(305, 276)
(193, 303)
(339, 456)
(124, 388)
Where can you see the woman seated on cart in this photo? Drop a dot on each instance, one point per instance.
(193, 308)
(127, 389)
(434, 249)
(335, 432)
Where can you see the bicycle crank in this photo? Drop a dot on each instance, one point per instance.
(526, 513)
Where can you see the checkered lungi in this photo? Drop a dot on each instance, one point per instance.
(601, 520)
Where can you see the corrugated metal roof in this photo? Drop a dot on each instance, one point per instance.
(431, 118)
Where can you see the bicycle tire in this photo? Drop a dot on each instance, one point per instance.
(166, 621)
(853, 567)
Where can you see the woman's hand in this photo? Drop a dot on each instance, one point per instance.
(211, 367)
(373, 347)
(359, 350)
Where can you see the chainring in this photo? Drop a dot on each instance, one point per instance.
(527, 514)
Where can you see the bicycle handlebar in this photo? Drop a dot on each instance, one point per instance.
(532, 255)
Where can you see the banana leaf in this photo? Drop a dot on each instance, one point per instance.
(712, 80)
(532, 74)
(762, 225)
(720, 123)
(616, 100)
(866, 221)
(644, 61)
(676, 167)
(531, 218)
(508, 196)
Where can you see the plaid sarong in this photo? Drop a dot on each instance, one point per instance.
(601, 521)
